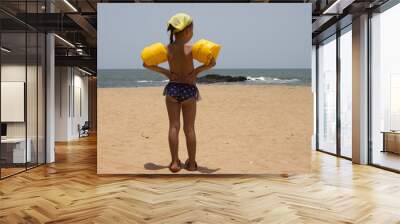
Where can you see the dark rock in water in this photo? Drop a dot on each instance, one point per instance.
(213, 78)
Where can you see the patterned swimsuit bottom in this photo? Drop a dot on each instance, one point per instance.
(181, 91)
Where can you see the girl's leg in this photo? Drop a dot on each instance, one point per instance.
(173, 108)
(189, 115)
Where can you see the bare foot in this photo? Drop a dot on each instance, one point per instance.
(190, 166)
(175, 166)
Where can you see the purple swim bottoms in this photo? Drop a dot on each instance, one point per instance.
(181, 91)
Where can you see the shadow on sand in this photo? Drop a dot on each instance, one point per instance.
(201, 169)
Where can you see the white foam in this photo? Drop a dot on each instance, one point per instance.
(255, 78)
(270, 80)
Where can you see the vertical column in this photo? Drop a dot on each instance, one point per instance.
(360, 90)
(50, 99)
(338, 91)
(314, 91)
(50, 92)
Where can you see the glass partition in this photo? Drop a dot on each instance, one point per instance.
(346, 92)
(14, 153)
(32, 95)
(327, 95)
(22, 88)
(385, 89)
(41, 87)
(32, 101)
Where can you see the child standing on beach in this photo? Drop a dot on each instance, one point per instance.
(181, 91)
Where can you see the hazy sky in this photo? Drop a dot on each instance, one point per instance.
(252, 35)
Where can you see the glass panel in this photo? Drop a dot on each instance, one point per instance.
(41, 98)
(346, 92)
(32, 90)
(22, 88)
(31, 101)
(13, 89)
(386, 89)
(327, 96)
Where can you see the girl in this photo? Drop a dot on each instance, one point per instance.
(181, 91)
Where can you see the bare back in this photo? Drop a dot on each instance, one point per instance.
(180, 61)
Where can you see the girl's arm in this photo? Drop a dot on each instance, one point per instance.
(204, 67)
(192, 77)
(160, 70)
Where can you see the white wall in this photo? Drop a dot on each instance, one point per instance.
(33, 127)
(15, 72)
(80, 89)
(62, 82)
(70, 83)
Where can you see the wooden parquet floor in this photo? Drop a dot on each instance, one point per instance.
(69, 191)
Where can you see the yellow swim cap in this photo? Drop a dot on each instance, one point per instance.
(180, 21)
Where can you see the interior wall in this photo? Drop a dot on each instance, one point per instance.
(62, 80)
(17, 73)
(71, 102)
(80, 109)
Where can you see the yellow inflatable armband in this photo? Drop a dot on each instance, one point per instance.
(154, 54)
(203, 50)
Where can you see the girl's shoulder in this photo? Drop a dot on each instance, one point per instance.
(188, 46)
(188, 49)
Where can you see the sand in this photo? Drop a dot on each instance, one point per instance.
(241, 129)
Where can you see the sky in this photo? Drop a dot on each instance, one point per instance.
(252, 35)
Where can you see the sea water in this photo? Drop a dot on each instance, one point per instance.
(143, 77)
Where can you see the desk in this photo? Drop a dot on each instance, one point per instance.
(391, 141)
(15, 148)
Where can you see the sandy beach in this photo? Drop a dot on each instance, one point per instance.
(241, 129)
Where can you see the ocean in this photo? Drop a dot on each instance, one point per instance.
(144, 77)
